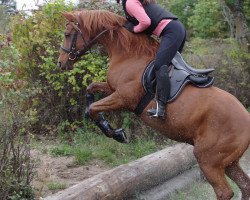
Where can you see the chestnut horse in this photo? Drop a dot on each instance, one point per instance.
(210, 119)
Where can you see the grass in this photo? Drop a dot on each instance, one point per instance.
(87, 146)
(202, 191)
(62, 150)
(56, 186)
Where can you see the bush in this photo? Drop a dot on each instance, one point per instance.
(183, 9)
(15, 121)
(206, 22)
(4, 19)
(232, 70)
(61, 94)
(15, 164)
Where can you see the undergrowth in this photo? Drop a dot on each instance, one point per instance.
(86, 145)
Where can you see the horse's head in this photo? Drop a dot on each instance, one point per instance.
(74, 44)
(83, 29)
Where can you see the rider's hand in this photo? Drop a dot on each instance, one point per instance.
(130, 27)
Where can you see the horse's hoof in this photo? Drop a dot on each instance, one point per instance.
(120, 136)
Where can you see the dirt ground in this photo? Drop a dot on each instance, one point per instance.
(53, 174)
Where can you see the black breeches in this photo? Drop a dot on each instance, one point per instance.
(173, 39)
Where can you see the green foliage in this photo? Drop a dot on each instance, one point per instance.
(15, 122)
(207, 20)
(86, 145)
(38, 38)
(246, 8)
(182, 8)
(104, 5)
(82, 156)
(4, 19)
(56, 186)
(62, 150)
(232, 71)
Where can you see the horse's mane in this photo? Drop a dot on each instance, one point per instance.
(94, 21)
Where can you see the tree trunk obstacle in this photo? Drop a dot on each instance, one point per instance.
(127, 180)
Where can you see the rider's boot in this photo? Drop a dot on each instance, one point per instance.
(162, 93)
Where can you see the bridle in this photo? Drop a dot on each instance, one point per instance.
(73, 53)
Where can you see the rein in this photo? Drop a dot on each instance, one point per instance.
(72, 52)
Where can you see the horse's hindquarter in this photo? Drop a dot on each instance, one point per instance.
(203, 113)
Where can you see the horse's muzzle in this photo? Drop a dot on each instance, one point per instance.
(66, 66)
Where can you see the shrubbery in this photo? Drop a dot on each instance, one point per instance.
(15, 121)
(61, 96)
(232, 71)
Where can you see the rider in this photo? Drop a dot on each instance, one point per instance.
(145, 16)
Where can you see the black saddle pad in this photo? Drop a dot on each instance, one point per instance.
(180, 75)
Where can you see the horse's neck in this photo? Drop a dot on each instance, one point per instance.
(121, 60)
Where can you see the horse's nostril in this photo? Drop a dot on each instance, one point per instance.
(59, 65)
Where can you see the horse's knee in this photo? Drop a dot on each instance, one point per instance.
(92, 112)
(89, 88)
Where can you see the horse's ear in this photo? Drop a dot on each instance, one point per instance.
(69, 16)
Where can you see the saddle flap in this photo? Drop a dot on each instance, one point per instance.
(179, 77)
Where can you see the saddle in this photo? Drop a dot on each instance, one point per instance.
(180, 74)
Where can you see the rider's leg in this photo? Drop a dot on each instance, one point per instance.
(172, 39)
(162, 92)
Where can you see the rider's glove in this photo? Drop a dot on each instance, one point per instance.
(130, 27)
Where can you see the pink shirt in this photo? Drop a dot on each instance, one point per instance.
(136, 10)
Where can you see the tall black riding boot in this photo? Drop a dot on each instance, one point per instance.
(162, 92)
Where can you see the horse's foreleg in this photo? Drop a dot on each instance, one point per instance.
(109, 103)
(93, 88)
(99, 87)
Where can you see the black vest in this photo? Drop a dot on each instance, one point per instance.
(155, 12)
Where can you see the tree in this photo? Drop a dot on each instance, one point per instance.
(207, 20)
(10, 4)
(235, 17)
(183, 9)
(4, 20)
(6, 7)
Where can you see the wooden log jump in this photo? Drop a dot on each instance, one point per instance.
(128, 179)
